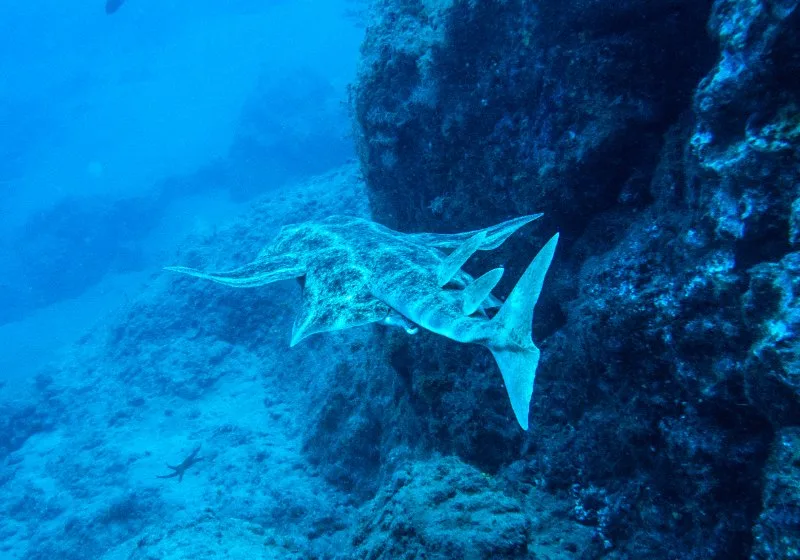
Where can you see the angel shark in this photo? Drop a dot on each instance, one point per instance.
(354, 272)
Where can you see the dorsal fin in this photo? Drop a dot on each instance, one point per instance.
(479, 290)
(453, 263)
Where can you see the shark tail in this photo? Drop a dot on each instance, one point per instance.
(519, 371)
(511, 342)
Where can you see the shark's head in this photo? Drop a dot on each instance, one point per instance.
(357, 272)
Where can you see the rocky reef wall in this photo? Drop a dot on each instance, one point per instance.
(662, 138)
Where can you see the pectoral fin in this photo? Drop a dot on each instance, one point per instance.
(335, 299)
(495, 235)
(263, 270)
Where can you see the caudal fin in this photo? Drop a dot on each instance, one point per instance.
(511, 343)
(519, 371)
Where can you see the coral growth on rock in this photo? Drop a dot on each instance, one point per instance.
(660, 137)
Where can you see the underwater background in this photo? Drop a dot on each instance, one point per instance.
(148, 415)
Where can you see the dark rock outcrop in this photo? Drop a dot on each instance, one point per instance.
(661, 139)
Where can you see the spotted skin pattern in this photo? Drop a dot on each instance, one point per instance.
(355, 272)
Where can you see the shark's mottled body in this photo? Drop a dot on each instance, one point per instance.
(356, 272)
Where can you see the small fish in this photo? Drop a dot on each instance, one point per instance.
(113, 5)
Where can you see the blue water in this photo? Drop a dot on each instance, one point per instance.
(120, 134)
(364, 395)
(123, 140)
